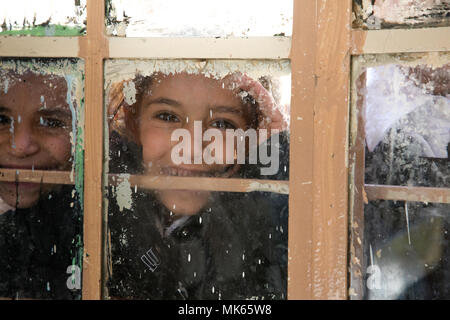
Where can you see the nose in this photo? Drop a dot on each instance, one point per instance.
(23, 142)
(195, 129)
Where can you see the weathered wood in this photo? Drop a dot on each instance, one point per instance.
(152, 182)
(319, 127)
(413, 194)
(93, 48)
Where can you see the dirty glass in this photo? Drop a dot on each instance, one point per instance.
(41, 133)
(43, 17)
(381, 14)
(406, 110)
(199, 18)
(406, 250)
(188, 121)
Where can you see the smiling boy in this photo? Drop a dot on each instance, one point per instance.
(35, 126)
(40, 224)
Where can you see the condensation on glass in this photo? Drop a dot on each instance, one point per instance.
(169, 119)
(380, 14)
(43, 17)
(406, 111)
(401, 125)
(41, 224)
(202, 18)
(406, 250)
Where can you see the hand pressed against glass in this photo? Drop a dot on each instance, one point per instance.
(178, 101)
(35, 126)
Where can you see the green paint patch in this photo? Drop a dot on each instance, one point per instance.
(49, 31)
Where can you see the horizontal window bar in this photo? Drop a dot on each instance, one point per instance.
(200, 183)
(206, 48)
(37, 176)
(401, 193)
(152, 48)
(152, 182)
(400, 40)
(52, 47)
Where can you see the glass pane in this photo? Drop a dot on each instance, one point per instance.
(407, 124)
(380, 14)
(202, 18)
(406, 250)
(193, 120)
(41, 224)
(43, 17)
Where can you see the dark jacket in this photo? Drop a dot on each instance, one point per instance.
(230, 251)
(37, 245)
(235, 248)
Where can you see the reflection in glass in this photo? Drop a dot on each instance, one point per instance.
(41, 223)
(407, 125)
(187, 120)
(199, 18)
(406, 250)
(380, 14)
(43, 17)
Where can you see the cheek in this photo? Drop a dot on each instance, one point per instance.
(58, 148)
(156, 144)
(4, 141)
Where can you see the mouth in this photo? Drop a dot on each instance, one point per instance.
(27, 167)
(21, 186)
(184, 172)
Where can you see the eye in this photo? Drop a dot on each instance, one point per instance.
(52, 123)
(223, 124)
(5, 120)
(167, 117)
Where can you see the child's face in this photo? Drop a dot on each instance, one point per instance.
(35, 126)
(176, 101)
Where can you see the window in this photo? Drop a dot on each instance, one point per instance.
(41, 111)
(328, 240)
(197, 123)
(399, 143)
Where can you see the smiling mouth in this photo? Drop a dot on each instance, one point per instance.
(24, 186)
(17, 167)
(183, 172)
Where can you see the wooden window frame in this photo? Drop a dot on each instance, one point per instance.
(320, 190)
(392, 41)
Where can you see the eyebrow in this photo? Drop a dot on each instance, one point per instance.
(168, 101)
(58, 112)
(46, 112)
(4, 109)
(217, 109)
(226, 109)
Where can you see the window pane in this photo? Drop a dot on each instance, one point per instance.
(194, 120)
(202, 18)
(41, 221)
(43, 17)
(380, 14)
(407, 123)
(406, 250)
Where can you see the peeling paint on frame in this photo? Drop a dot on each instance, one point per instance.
(384, 14)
